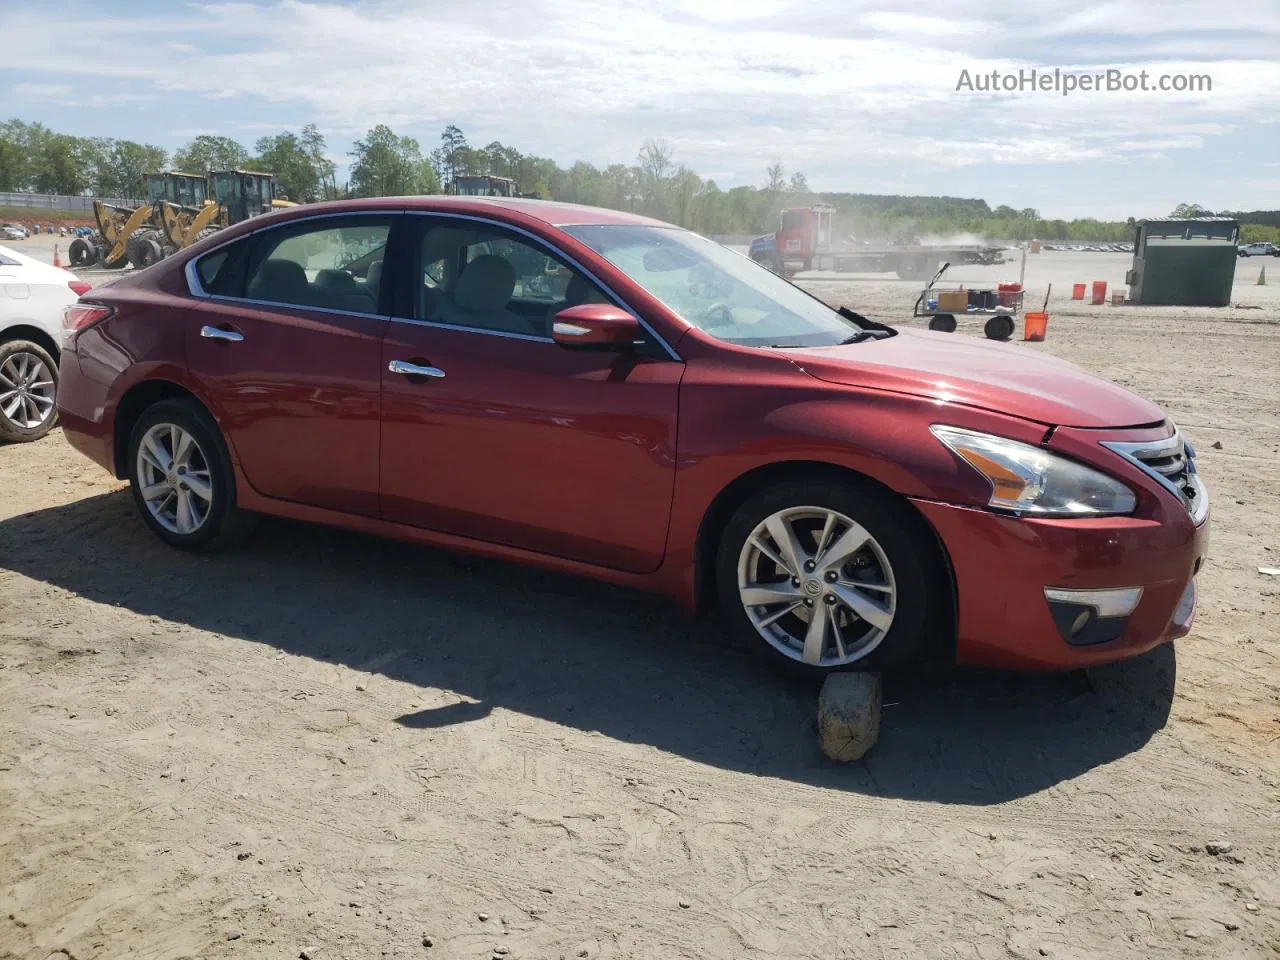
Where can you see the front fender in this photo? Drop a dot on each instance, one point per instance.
(729, 430)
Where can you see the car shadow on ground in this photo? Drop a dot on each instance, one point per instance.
(590, 656)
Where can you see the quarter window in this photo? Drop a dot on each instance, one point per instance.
(333, 266)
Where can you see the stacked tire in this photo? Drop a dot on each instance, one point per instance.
(145, 248)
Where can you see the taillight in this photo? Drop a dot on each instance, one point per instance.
(79, 317)
(79, 287)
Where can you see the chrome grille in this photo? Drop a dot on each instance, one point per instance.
(1172, 462)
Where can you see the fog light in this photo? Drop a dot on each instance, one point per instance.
(1086, 617)
(1106, 603)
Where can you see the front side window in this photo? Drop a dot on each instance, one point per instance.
(487, 278)
(328, 265)
(716, 290)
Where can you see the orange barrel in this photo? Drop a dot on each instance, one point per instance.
(1034, 326)
(1007, 294)
(1099, 292)
(1077, 291)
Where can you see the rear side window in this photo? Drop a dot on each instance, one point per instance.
(330, 264)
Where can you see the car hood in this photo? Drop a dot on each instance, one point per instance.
(994, 376)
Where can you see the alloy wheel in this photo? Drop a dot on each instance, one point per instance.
(817, 586)
(27, 391)
(174, 479)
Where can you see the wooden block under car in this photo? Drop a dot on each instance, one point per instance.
(849, 715)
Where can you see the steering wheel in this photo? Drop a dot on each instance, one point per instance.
(719, 314)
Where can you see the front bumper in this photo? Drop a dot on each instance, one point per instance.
(1003, 564)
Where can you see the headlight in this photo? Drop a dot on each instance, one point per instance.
(1028, 479)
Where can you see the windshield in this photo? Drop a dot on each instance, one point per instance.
(714, 289)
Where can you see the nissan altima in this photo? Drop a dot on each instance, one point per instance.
(602, 394)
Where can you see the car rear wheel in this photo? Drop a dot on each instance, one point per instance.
(181, 477)
(28, 391)
(822, 576)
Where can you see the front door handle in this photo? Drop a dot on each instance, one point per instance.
(217, 333)
(414, 370)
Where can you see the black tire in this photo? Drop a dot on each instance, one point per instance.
(80, 253)
(225, 524)
(144, 249)
(923, 597)
(914, 267)
(943, 322)
(12, 429)
(999, 327)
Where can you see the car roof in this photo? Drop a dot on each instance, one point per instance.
(551, 212)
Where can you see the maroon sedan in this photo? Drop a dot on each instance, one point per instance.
(602, 394)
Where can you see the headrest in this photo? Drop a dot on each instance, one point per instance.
(486, 284)
(373, 276)
(581, 290)
(336, 280)
(281, 279)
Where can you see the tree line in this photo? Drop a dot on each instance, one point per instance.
(384, 163)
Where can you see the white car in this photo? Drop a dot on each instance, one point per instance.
(12, 231)
(33, 296)
(1258, 250)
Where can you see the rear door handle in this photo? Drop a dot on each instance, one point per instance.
(217, 333)
(414, 370)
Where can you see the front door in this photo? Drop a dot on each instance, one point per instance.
(289, 348)
(493, 431)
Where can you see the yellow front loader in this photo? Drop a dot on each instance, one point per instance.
(182, 226)
(181, 209)
(116, 225)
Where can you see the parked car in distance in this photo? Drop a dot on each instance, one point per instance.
(1258, 250)
(671, 417)
(12, 231)
(33, 296)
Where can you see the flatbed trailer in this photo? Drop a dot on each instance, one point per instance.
(804, 241)
(913, 262)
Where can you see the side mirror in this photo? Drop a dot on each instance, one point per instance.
(595, 326)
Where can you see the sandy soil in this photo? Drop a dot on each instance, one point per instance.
(337, 745)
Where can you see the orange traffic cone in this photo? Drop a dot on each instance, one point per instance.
(57, 260)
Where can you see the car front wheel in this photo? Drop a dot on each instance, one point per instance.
(825, 576)
(28, 391)
(181, 477)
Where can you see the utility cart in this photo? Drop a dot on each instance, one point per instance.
(941, 305)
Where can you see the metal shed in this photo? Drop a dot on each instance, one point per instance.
(1188, 262)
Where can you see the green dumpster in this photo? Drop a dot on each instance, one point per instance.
(1188, 262)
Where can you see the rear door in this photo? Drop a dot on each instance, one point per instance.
(288, 344)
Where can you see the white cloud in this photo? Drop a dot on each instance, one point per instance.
(851, 92)
(42, 91)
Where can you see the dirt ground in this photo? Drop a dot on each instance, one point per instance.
(355, 748)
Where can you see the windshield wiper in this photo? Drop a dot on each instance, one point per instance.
(863, 335)
(859, 320)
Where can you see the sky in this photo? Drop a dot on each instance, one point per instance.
(859, 95)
